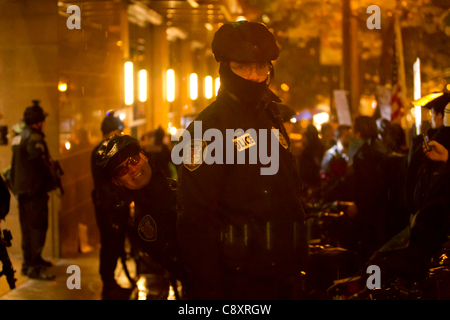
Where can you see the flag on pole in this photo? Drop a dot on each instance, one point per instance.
(396, 103)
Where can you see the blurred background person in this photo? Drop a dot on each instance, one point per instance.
(327, 136)
(334, 168)
(392, 140)
(369, 190)
(158, 152)
(310, 161)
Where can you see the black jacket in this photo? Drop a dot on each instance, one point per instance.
(5, 199)
(433, 176)
(30, 167)
(230, 216)
(155, 223)
(426, 179)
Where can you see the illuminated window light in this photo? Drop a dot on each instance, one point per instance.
(62, 86)
(193, 86)
(208, 87)
(217, 85)
(143, 85)
(284, 87)
(193, 3)
(129, 86)
(170, 85)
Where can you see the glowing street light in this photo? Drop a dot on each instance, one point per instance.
(193, 86)
(321, 118)
(208, 87)
(170, 82)
(129, 86)
(143, 85)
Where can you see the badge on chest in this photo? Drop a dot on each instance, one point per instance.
(244, 142)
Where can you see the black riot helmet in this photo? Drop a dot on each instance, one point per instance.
(244, 41)
(34, 114)
(111, 123)
(112, 152)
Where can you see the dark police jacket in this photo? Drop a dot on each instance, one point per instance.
(30, 167)
(230, 217)
(155, 223)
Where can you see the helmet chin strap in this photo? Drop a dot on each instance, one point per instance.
(117, 182)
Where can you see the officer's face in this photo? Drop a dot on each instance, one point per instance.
(345, 138)
(138, 175)
(437, 119)
(253, 71)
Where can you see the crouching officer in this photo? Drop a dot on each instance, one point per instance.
(112, 213)
(120, 161)
(241, 225)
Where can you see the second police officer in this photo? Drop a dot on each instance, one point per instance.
(242, 233)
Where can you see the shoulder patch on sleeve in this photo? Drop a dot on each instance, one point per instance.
(196, 153)
(147, 228)
(280, 137)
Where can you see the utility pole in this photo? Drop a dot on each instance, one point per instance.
(350, 56)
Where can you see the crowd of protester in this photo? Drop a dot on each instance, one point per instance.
(372, 165)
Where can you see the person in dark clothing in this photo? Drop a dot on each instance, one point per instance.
(334, 168)
(241, 223)
(327, 133)
(370, 190)
(31, 179)
(433, 176)
(112, 213)
(417, 160)
(310, 161)
(120, 162)
(157, 151)
(392, 138)
(5, 199)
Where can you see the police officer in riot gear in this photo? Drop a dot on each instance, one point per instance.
(112, 213)
(242, 233)
(121, 163)
(31, 180)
